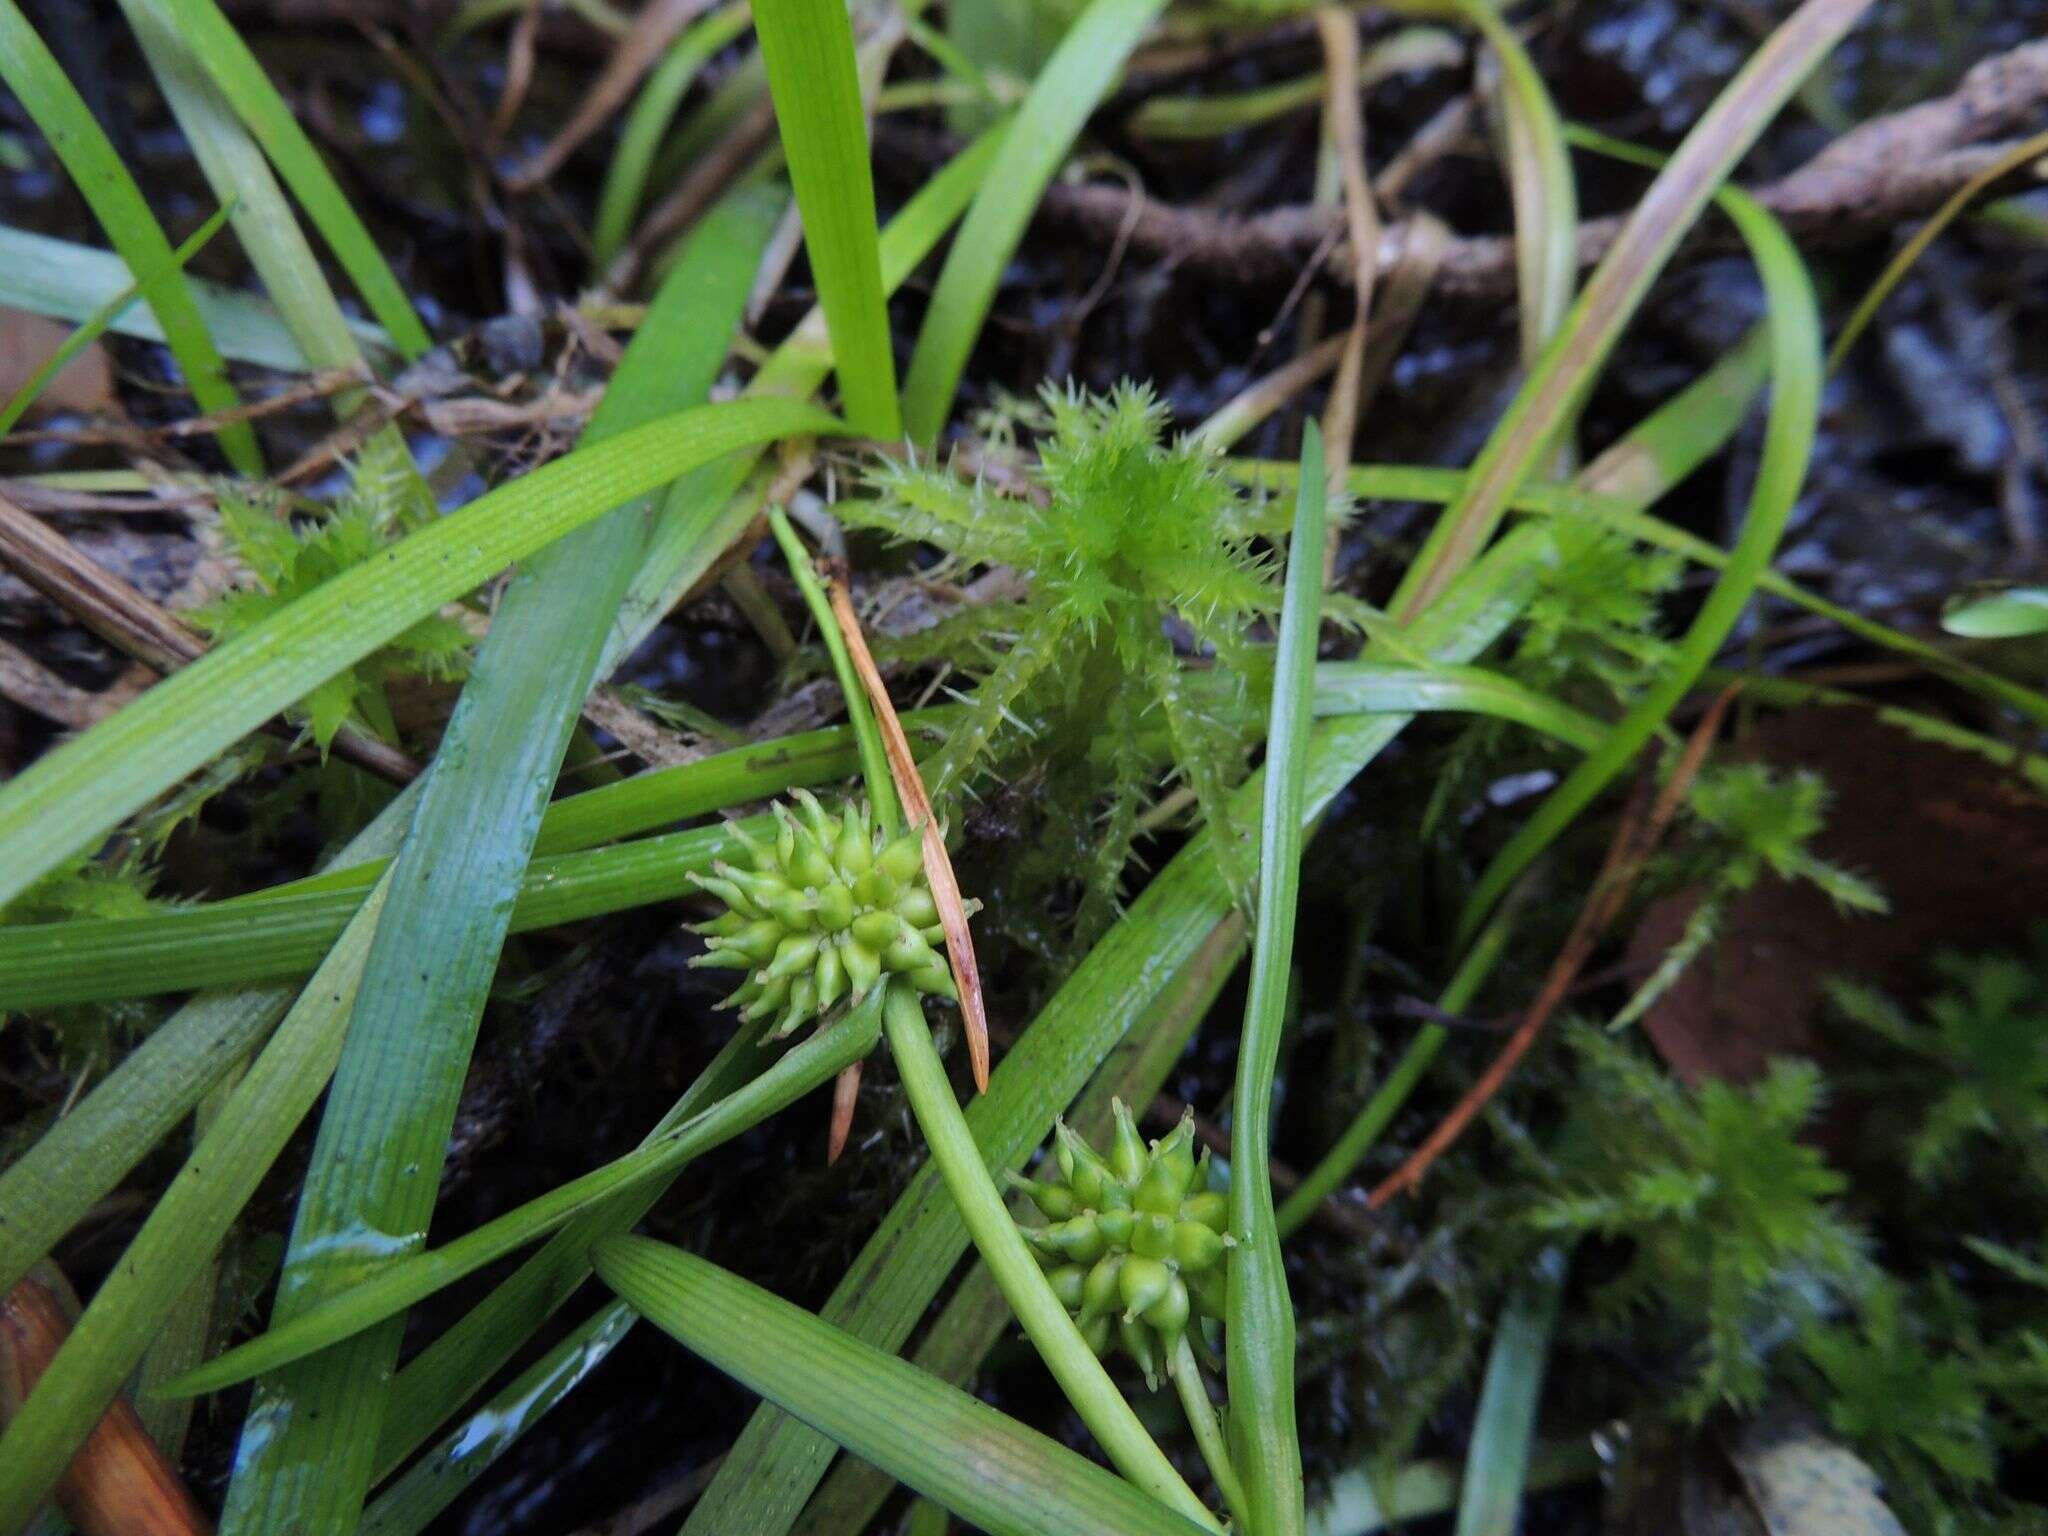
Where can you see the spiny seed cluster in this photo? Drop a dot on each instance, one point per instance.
(825, 912)
(1135, 1250)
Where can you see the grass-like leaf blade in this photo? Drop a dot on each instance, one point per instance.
(240, 77)
(1611, 297)
(1504, 1429)
(625, 179)
(69, 281)
(1797, 369)
(235, 166)
(1259, 1333)
(808, 48)
(438, 1479)
(984, 1466)
(404, 1281)
(101, 320)
(182, 1230)
(53, 103)
(452, 889)
(1074, 80)
(85, 787)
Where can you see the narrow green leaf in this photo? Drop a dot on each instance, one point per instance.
(183, 1230)
(75, 1163)
(1259, 1334)
(445, 1374)
(1212, 116)
(1371, 687)
(213, 39)
(702, 510)
(67, 281)
(397, 1285)
(47, 95)
(860, 714)
(625, 179)
(1660, 219)
(1659, 452)
(228, 943)
(453, 885)
(235, 167)
(438, 1479)
(1666, 446)
(662, 796)
(985, 1467)
(1797, 369)
(81, 1158)
(808, 48)
(1903, 259)
(1074, 80)
(83, 788)
(737, 94)
(2006, 615)
(1504, 1431)
(102, 319)
(1539, 181)
(1369, 1498)
(1627, 480)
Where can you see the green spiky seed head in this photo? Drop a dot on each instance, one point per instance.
(1135, 1241)
(821, 914)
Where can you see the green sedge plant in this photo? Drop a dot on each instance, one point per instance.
(826, 911)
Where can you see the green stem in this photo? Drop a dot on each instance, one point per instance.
(874, 762)
(1336, 1165)
(1186, 1372)
(989, 1224)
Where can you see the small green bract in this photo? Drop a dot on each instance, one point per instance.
(826, 911)
(1136, 1245)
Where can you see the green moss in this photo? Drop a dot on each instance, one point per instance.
(1130, 544)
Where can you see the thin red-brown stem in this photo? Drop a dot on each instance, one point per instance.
(1643, 826)
(1345, 126)
(845, 1094)
(119, 1483)
(917, 806)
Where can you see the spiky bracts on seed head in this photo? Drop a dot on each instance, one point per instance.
(1136, 1242)
(826, 911)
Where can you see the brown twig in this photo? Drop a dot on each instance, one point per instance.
(29, 684)
(917, 805)
(696, 192)
(119, 1483)
(1889, 169)
(314, 386)
(519, 55)
(1642, 828)
(1344, 123)
(645, 41)
(34, 496)
(134, 625)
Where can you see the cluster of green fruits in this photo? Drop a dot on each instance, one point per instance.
(827, 910)
(1136, 1244)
